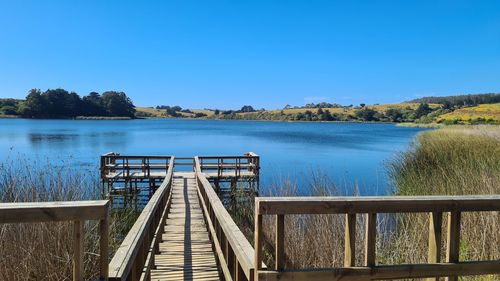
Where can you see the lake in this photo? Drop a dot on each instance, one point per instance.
(349, 154)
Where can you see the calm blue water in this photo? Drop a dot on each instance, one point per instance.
(351, 154)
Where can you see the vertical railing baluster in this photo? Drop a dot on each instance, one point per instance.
(453, 240)
(350, 240)
(280, 242)
(78, 273)
(370, 238)
(258, 243)
(104, 246)
(434, 252)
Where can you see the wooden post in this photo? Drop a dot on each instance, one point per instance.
(258, 244)
(434, 254)
(240, 274)
(453, 240)
(435, 223)
(370, 238)
(78, 273)
(280, 242)
(104, 248)
(350, 240)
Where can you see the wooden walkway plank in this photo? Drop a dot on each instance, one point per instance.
(185, 251)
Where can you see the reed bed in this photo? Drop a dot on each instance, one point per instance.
(44, 251)
(448, 161)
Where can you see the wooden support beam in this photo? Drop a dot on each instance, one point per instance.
(434, 252)
(453, 240)
(104, 248)
(280, 242)
(350, 240)
(258, 245)
(78, 271)
(370, 238)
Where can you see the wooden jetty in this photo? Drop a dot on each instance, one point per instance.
(129, 179)
(184, 232)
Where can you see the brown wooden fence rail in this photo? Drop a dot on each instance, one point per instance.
(76, 211)
(114, 165)
(233, 251)
(436, 206)
(135, 256)
(234, 166)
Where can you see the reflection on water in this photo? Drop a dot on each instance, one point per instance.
(51, 138)
(347, 152)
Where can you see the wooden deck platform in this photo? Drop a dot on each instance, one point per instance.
(185, 251)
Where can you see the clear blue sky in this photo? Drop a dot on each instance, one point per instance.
(265, 53)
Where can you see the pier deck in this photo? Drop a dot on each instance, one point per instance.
(186, 233)
(185, 252)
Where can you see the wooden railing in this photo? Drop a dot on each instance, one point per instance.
(452, 206)
(76, 211)
(125, 166)
(227, 165)
(233, 251)
(135, 256)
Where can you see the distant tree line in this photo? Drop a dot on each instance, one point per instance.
(422, 113)
(59, 103)
(244, 109)
(462, 100)
(9, 106)
(321, 105)
(177, 112)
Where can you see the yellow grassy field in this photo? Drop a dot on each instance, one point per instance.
(482, 112)
(378, 107)
(160, 113)
(205, 111)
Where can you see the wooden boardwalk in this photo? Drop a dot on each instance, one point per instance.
(185, 251)
(185, 232)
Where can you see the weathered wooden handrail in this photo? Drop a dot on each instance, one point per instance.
(248, 162)
(76, 211)
(135, 257)
(233, 251)
(113, 164)
(370, 206)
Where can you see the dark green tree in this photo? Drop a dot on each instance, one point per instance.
(394, 115)
(118, 104)
(93, 105)
(247, 108)
(422, 110)
(34, 105)
(366, 114)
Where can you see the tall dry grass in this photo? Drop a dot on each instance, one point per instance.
(44, 251)
(311, 241)
(448, 161)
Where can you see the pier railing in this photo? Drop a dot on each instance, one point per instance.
(76, 211)
(233, 166)
(134, 259)
(436, 206)
(233, 251)
(114, 165)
